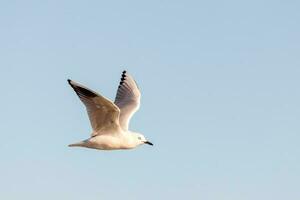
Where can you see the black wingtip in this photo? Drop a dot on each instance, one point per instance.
(70, 82)
(124, 74)
(81, 90)
(122, 78)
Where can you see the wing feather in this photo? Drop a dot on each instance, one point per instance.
(103, 114)
(127, 99)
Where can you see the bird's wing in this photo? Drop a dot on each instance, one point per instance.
(103, 114)
(127, 99)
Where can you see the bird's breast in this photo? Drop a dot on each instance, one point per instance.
(108, 142)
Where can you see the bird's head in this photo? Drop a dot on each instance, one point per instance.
(140, 139)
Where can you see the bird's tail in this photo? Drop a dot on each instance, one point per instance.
(79, 144)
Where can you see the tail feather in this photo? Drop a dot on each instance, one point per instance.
(79, 144)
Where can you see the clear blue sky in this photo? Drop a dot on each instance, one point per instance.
(220, 85)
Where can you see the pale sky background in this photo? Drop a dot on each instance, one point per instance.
(220, 99)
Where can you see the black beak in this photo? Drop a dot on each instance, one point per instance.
(147, 142)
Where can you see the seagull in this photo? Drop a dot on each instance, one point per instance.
(110, 120)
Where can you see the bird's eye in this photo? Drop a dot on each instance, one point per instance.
(139, 138)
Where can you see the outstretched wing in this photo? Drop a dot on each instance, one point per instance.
(103, 114)
(127, 99)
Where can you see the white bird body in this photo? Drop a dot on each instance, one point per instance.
(110, 120)
(110, 141)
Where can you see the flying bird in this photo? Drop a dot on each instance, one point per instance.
(110, 120)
